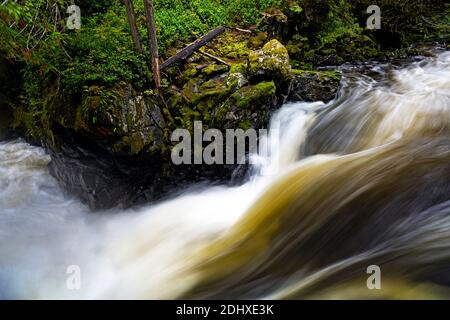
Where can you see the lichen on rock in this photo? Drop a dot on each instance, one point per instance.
(270, 62)
(248, 107)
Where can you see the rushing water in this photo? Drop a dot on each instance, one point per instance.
(363, 180)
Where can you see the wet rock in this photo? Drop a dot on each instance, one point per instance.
(249, 107)
(90, 177)
(142, 122)
(104, 180)
(314, 86)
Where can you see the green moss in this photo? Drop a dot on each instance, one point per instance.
(256, 42)
(214, 69)
(99, 101)
(245, 125)
(231, 46)
(239, 68)
(272, 61)
(333, 74)
(236, 81)
(137, 142)
(186, 117)
(189, 73)
(248, 97)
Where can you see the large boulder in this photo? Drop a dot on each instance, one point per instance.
(270, 63)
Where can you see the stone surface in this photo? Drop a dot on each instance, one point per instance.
(314, 86)
(270, 62)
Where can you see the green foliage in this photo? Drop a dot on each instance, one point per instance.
(96, 101)
(340, 23)
(185, 20)
(248, 12)
(11, 42)
(89, 7)
(101, 53)
(441, 23)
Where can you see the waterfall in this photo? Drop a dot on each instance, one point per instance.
(363, 180)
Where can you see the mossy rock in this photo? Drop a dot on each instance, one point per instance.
(271, 62)
(190, 72)
(131, 121)
(258, 41)
(252, 96)
(231, 45)
(214, 69)
(239, 68)
(309, 85)
(137, 142)
(236, 80)
(248, 107)
(198, 99)
(181, 110)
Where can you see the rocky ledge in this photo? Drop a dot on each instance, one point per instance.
(113, 147)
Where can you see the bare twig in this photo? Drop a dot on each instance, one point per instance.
(240, 29)
(214, 58)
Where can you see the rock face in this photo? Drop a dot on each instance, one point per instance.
(142, 122)
(91, 176)
(271, 62)
(132, 122)
(105, 180)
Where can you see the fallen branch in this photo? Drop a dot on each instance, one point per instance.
(193, 47)
(214, 58)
